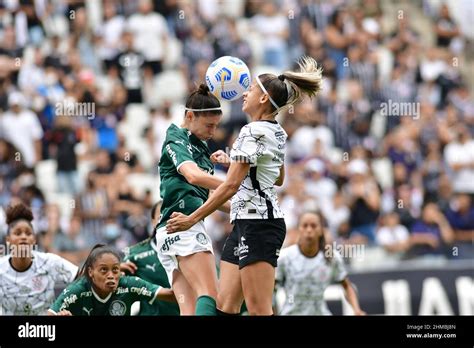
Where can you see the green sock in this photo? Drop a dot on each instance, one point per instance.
(205, 305)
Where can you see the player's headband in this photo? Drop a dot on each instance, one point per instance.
(265, 92)
(207, 109)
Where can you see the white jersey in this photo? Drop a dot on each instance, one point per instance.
(305, 279)
(262, 145)
(31, 292)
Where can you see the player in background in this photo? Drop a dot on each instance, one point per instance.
(28, 277)
(307, 268)
(141, 260)
(251, 251)
(186, 178)
(100, 289)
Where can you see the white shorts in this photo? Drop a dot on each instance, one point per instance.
(184, 243)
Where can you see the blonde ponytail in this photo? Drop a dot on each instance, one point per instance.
(307, 81)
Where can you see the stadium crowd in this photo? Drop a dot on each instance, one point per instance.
(386, 153)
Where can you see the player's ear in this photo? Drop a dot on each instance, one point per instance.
(263, 98)
(90, 272)
(189, 115)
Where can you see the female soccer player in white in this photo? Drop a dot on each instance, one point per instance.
(28, 277)
(251, 251)
(186, 178)
(307, 268)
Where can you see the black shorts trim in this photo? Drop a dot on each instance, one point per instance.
(253, 240)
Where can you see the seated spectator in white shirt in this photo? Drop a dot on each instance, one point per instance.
(393, 236)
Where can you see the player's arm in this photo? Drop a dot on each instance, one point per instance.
(281, 177)
(224, 207)
(237, 172)
(351, 296)
(197, 177)
(66, 304)
(153, 292)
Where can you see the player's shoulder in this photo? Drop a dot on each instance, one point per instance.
(79, 285)
(4, 263)
(175, 133)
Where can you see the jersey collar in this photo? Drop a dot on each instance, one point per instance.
(97, 297)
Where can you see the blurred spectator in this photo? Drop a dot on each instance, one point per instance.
(430, 234)
(459, 156)
(363, 198)
(321, 188)
(110, 33)
(93, 207)
(131, 64)
(392, 236)
(22, 129)
(150, 33)
(447, 31)
(63, 140)
(460, 215)
(274, 29)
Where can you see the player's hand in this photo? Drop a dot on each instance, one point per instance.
(220, 157)
(64, 313)
(128, 267)
(178, 222)
(360, 312)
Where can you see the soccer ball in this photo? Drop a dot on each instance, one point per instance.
(228, 78)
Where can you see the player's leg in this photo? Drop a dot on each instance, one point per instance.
(184, 294)
(230, 296)
(199, 269)
(258, 283)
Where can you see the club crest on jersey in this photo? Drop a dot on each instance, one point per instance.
(117, 308)
(201, 238)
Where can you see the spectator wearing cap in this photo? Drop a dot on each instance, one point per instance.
(363, 198)
(22, 129)
(460, 215)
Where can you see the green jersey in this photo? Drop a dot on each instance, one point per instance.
(149, 268)
(178, 195)
(80, 299)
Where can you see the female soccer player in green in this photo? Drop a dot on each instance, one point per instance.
(186, 178)
(100, 289)
(141, 260)
(251, 251)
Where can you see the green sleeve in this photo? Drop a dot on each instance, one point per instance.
(179, 149)
(69, 300)
(141, 290)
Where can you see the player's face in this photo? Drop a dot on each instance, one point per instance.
(253, 99)
(21, 234)
(310, 228)
(105, 274)
(204, 126)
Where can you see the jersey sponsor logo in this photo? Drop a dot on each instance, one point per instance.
(172, 154)
(152, 267)
(37, 331)
(201, 238)
(141, 291)
(117, 308)
(168, 242)
(122, 291)
(87, 310)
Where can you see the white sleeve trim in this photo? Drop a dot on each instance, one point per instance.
(179, 166)
(156, 295)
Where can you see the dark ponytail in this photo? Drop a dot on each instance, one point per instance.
(202, 98)
(97, 251)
